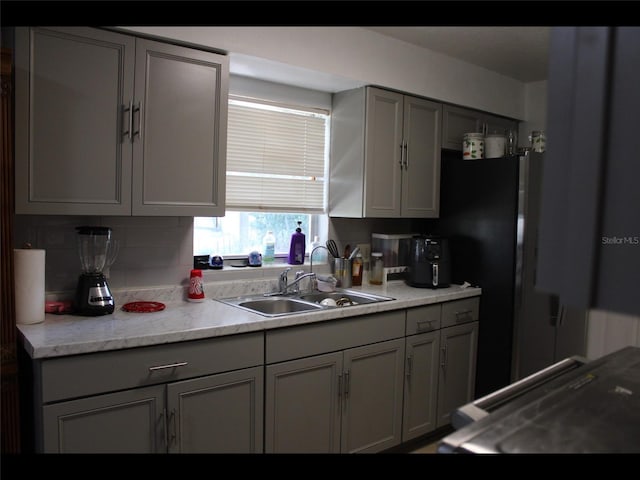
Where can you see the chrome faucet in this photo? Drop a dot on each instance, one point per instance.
(294, 287)
(311, 255)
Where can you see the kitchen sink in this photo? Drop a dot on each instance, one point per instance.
(344, 298)
(275, 306)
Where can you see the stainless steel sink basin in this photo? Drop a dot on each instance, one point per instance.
(274, 306)
(345, 298)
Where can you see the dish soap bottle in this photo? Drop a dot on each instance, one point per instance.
(319, 256)
(269, 242)
(297, 247)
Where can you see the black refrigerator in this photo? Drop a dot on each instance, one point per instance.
(489, 211)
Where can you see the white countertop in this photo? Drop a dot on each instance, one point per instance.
(181, 320)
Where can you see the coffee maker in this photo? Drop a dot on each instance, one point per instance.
(93, 296)
(429, 263)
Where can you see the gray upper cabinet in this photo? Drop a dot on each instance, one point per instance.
(456, 121)
(111, 124)
(385, 155)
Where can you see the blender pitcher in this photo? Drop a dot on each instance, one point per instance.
(93, 296)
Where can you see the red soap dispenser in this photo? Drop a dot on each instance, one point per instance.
(297, 247)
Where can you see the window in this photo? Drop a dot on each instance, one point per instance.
(277, 163)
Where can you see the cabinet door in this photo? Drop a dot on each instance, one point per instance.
(456, 122)
(72, 153)
(216, 414)
(421, 173)
(303, 401)
(500, 125)
(131, 421)
(373, 382)
(383, 148)
(420, 384)
(180, 118)
(456, 379)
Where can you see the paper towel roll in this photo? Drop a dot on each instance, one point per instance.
(29, 285)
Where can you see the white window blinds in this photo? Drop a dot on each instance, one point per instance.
(275, 158)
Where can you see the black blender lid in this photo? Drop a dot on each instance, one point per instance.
(87, 230)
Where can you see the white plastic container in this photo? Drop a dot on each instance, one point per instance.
(269, 254)
(495, 145)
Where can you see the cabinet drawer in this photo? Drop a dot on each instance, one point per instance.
(460, 311)
(82, 375)
(307, 340)
(423, 319)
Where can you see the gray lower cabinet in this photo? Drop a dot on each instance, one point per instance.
(457, 372)
(186, 408)
(456, 121)
(112, 124)
(421, 370)
(347, 400)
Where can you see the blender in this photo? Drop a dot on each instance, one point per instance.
(93, 296)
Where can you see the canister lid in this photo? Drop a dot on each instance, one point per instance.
(376, 254)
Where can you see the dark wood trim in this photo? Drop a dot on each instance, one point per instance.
(9, 389)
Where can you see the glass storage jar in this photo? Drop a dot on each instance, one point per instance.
(377, 268)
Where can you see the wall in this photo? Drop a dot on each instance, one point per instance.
(610, 331)
(535, 102)
(364, 57)
(157, 251)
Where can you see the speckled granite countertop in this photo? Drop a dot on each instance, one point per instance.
(181, 320)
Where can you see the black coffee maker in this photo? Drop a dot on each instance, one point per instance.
(93, 296)
(429, 262)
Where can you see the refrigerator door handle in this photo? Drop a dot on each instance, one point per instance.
(554, 310)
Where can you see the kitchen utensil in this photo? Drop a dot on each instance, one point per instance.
(342, 271)
(347, 251)
(354, 253)
(93, 296)
(333, 249)
(143, 307)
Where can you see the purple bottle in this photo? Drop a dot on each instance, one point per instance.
(296, 250)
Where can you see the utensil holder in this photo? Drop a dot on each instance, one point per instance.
(342, 271)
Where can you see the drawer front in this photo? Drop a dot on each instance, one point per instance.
(82, 375)
(423, 319)
(460, 311)
(306, 340)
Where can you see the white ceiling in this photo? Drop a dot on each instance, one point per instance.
(516, 52)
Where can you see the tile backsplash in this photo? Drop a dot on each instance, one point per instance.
(155, 251)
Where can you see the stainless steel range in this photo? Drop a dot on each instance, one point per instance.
(573, 406)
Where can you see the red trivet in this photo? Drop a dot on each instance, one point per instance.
(143, 307)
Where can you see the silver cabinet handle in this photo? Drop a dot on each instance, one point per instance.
(434, 274)
(346, 384)
(406, 155)
(409, 366)
(424, 325)
(173, 422)
(170, 365)
(137, 109)
(128, 110)
(401, 155)
(462, 312)
(339, 385)
(443, 362)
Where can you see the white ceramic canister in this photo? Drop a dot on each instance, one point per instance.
(473, 146)
(495, 145)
